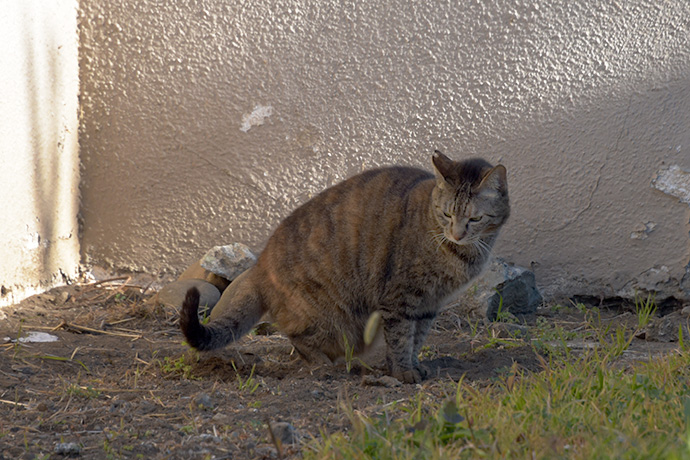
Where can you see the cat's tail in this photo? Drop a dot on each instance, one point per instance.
(237, 311)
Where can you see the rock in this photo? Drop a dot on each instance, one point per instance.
(67, 448)
(62, 298)
(208, 437)
(685, 312)
(509, 288)
(666, 329)
(228, 261)
(42, 407)
(284, 432)
(204, 401)
(175, 292)
(265, 452)
(196, 271)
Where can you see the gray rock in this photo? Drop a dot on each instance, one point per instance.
(667, 329)
(508, 288)
(204, 401)
(175, 292)
(67, 448)
(284, 432)
(208, 437)
(228, 261)
(62, 298)
(265, 452)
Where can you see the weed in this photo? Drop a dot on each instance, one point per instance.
(188, 429)
(474, 326)
(644, 309)
(249, 384)
(350, 355)
(427, 352)
(681, 342)
(502, 316)
(17, 343)
(178, 368)
(76, 390)
(205, 315)
(582, 308)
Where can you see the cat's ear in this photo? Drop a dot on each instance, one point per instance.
(494, 181)
(443, 167)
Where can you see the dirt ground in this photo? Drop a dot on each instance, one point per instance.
(120, 383)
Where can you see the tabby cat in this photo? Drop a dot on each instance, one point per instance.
(395, 240)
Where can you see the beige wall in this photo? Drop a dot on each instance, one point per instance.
(39, 165)
(206, 122)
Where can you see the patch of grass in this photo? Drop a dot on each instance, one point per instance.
(350, 357)
(501, 315)
(80, 391)
(645, 309)
(583, 408)
(427, 352)
(178, 368)
(249, 384)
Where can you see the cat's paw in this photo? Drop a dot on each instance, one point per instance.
(414, 375)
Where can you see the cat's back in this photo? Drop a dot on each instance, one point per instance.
(363, 200)
(338, 230)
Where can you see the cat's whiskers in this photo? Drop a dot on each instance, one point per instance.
(483, 246)
(439, 238)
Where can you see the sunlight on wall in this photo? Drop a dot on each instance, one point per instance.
(39, 164)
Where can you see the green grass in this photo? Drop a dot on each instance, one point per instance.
(583, 408)
(178, 368)
(644, 309)
(248, 384)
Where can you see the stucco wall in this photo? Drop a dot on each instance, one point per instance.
(39, 164)
(206, 122)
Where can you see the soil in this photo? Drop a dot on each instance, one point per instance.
(120, 383)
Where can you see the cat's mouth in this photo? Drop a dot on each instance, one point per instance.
(455, 240)
(460, 240)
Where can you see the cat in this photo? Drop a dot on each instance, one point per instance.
(396, 240)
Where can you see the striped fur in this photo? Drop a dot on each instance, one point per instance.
(398, 240)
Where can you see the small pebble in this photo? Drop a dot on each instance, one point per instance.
(62, 298)
(265, 452)
(685, 311)
(207, 437)
(67, 448)
(204, 401)
(284, 432)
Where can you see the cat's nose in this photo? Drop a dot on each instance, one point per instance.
(458, 235)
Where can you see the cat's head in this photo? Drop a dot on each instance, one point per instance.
(470, 200)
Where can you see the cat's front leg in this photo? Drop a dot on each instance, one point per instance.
(399, 333)
(421, 330)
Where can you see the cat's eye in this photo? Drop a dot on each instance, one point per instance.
(446, 214)
(475, 219)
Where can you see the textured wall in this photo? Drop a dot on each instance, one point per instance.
(39, 164)
(206, 122)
